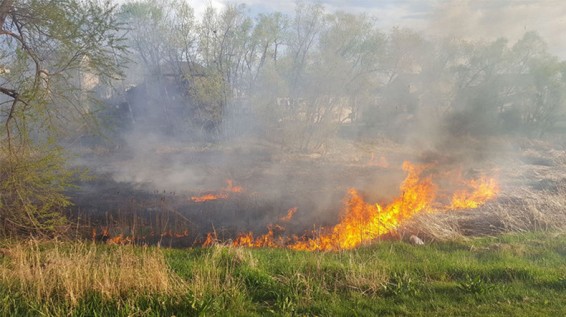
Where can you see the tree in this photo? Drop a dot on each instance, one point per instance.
(304, 30)
(332, 95)
(269, 35)
(542, 104)
(501, 88)
(224, 46)
(147, 29)
(46, 48)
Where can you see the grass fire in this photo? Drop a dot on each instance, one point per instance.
(363, 222)
(313, 158)
(224, 194)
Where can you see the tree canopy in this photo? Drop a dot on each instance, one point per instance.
(51, 54)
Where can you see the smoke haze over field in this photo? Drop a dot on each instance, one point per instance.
(298, 103)
(297, 80)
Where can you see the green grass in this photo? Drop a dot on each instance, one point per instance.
(508, 275)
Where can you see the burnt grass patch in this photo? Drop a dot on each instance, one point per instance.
(104, 208)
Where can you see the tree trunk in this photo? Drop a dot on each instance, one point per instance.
(5, 7)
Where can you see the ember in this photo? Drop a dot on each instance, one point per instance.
(208, 197)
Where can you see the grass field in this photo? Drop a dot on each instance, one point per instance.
(508, 275)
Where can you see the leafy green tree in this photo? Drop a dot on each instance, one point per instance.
(332, 95)
(269, 35)
(51, 56)
(543, 104)
(501, 88)
(229, 52)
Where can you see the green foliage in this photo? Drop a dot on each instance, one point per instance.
(208, 94)
(273, 71)
(400, 284)
(474, 285)
(32, 185)
(55, 54)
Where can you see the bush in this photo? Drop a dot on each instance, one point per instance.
(32, 185)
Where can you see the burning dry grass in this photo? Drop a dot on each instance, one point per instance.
(526, 210)
(71, 271)
(363, 222)
(223, 194)
(534, 200)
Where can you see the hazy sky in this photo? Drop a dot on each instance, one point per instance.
(470, 19)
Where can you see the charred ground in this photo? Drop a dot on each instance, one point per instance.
(272, 181)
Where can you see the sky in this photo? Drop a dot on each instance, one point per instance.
(468, 19)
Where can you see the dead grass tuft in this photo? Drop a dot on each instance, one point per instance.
(438, 227)
(533, 211)
(364, 277)
(231, 256)
(526, 210)
(72, 270)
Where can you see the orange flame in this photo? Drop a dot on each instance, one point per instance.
(119, 239)
(484, 189)
(265, 240)
(362, 222)
(224, 194)
(211, 239)
(209, 197)
(118, 235)
(290, 213)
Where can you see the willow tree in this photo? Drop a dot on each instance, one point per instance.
(51, 54)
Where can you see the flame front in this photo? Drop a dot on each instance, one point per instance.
(484, 189)
(209, 197)
(363, 222)
(265, 240)
(224, 194)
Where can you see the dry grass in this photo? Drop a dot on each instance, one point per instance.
(72, 270)
(215, 276)
(439, 227)
(526, 210)
(532, 211)
(56, 270)
(363, 277)
(533, 199)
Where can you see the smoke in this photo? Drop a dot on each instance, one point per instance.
(317, 112)
(475, 20)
